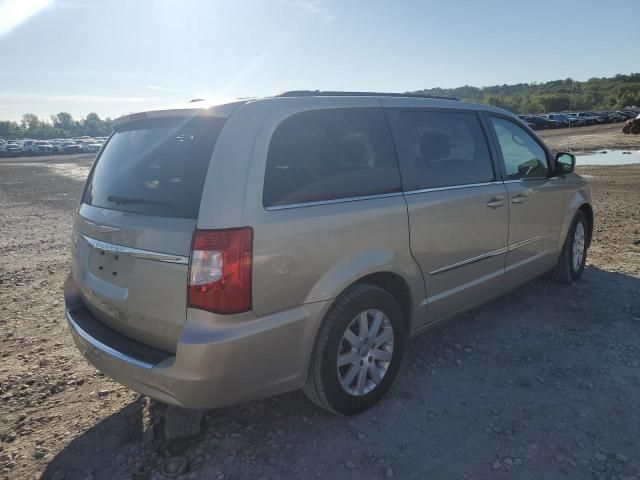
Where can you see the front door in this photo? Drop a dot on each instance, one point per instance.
(535, 201)
(457, 207)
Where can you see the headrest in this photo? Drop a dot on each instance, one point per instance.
(434, 146)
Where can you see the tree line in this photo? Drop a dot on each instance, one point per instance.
(607, 93)
(62, 125)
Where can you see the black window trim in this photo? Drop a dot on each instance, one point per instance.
(498, 149)
(495, 163)
(333, 201)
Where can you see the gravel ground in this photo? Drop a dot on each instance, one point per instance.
(543, 383)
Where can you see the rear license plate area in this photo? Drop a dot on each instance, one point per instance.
(112, 267)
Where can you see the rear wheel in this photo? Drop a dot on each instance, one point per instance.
(574, 251)
(358, 351)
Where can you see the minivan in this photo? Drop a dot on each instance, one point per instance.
(225, 252)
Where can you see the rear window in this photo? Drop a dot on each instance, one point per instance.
(155, 167)
(330, 154)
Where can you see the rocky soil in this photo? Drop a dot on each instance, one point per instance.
(543, 383)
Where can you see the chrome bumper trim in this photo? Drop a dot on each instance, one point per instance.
(135, 252)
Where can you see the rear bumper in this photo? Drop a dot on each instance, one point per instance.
(219, 360)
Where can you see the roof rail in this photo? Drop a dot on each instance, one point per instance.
(320, 93)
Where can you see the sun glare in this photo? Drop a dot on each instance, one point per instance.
(15, 12)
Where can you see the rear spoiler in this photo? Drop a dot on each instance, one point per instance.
(192, 109)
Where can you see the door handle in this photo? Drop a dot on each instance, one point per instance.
(495, 202)
(521, 197)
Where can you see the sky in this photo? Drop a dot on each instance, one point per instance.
(119, 56)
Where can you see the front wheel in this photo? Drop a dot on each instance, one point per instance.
(358, 351)
(574, 251)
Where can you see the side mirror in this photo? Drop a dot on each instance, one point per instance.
(565, 163)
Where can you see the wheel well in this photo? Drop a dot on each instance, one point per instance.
(396, 286)
(588, 212)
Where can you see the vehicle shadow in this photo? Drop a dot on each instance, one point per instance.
(94, 449)
(547, 372)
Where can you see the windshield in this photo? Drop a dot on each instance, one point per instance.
(155, 167)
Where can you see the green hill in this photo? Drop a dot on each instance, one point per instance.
(555, 96)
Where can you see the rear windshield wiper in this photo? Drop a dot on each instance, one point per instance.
(136, 201)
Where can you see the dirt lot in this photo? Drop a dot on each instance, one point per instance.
(541, 384)
(592, 137)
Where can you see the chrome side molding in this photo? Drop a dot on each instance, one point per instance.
(528, 241)
(493, 253)
(452, 187)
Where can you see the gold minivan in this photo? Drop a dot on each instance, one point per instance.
(224, 252)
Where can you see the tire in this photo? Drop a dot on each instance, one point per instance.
(326, 378)
(569, 268)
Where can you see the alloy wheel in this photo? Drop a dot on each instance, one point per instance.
(365, 352)
(578, 246)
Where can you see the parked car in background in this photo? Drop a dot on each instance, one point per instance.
(563, 120)
(575, 121)
(93, 147)
(264, 246)
(628, 114)
(588, 117)
(606, 117)
(609, 117)
(81, 143)
(71, 147)
(12, 150)
(540, 122)
(44, 148)
(57, 145)
(599, 118)
(531, 125)
(29, 146)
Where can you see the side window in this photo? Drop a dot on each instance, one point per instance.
(440, 149)
(330, 154)
(523, 156)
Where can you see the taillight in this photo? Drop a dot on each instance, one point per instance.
(220, 270)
